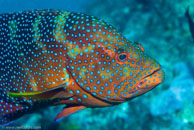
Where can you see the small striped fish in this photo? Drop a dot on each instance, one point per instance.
(53, 57)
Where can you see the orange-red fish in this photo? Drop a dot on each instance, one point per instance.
(52, 57)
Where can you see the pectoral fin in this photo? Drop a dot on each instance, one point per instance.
(52, 93)
(67, 111)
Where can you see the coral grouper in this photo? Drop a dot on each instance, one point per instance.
(53, 57)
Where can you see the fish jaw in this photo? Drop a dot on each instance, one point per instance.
(144, 84)
(151, 80)
(148, 83)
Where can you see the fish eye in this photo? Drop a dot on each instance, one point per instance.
(122, 57)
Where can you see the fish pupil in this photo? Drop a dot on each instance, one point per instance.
(122, 57)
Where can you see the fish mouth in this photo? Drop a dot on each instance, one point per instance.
(150, 81)
(145, 84)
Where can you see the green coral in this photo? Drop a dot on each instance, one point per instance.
(187, 113)
(68, 126)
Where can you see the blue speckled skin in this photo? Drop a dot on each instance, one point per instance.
(59, 57)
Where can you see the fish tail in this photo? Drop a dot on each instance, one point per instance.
(11, 111)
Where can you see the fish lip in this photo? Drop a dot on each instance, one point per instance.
(156, 70)
(138, 87)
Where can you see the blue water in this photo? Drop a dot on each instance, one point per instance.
(18, 5)
(162, 28)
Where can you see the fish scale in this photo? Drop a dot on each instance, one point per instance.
(53, 57)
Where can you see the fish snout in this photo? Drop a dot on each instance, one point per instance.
(151, 80)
